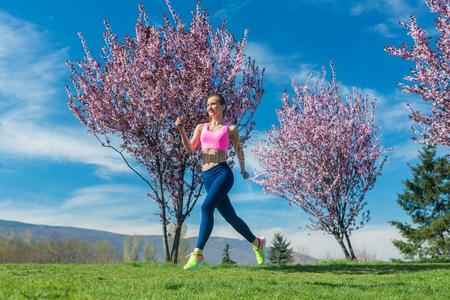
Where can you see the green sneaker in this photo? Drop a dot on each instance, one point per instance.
(194, 262)
(260, 251)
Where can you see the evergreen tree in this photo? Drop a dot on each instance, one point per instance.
(425, 199)
(279, 251)
(226, 256)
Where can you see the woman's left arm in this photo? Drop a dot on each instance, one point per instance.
(234, 136)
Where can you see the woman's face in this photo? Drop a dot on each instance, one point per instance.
(213, 107)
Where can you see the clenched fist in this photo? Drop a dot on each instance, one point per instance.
(244, 174)
(179, 122)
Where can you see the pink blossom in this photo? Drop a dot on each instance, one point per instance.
(431, 76)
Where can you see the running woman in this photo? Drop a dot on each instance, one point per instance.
(217, 177)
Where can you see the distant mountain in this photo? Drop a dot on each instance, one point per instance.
(240, 251)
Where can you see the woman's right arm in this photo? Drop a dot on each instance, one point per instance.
(189, 145)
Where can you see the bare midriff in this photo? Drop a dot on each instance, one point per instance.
(212, 157)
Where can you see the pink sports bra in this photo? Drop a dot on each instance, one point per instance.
(218, 139)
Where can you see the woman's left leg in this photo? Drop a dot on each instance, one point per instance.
(227, 211)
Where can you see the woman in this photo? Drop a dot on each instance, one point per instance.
(217, 177)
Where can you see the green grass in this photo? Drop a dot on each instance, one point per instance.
(325, 280)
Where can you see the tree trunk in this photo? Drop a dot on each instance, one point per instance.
(352, 253)
(164, 227)
(176, 242)
(341, 243)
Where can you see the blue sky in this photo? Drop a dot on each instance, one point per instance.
(52, 172)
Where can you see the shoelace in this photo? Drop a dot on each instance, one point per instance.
(193, 253)
(256, 248)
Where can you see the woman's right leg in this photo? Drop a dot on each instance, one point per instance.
(217, 190)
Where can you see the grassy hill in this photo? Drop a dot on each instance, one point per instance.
(324, 280)
(240, 250)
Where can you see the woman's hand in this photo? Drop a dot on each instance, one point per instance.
(244, 174)
(179, 122)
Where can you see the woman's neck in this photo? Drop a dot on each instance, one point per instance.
(216, 121)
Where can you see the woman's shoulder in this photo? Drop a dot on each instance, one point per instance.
(199, 126)
(232, 126)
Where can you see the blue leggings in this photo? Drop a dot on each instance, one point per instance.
(218, 181)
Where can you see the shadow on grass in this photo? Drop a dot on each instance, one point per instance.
(356, 268)
(362, 286)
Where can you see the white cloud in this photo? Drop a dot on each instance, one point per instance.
(393, 114)
(405, 151)
(250, 196)
(111, 194)
(116, 208)
(229, 8)
(393, 11)
(363, 7)
(31, 73)
(409, 152)
(28, 140)
(279, 68)
(30, 70)
(251, 161)
(382, 29)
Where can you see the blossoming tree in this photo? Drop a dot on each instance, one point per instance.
(322, 157)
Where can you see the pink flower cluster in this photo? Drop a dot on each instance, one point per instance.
(431, 77)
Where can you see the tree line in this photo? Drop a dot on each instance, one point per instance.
(21, 248)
